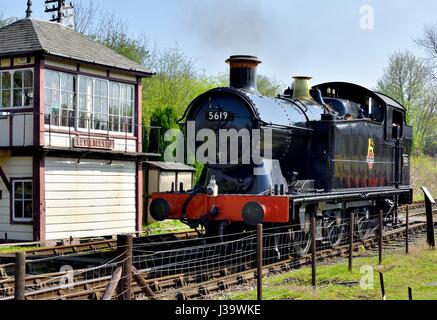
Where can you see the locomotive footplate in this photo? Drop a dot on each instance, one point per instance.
(251, 209)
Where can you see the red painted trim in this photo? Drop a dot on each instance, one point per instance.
(18, 110)
(12, 55)
(11, 130)
(139, 197)
(139, 134)
(11, 203)
(39, 210)
(20, 151)
(39, 226)
(38, 124)
(102, 66)
(5, 180)
(12, 67)
(85, 133)
(139, 114)
(86, 74)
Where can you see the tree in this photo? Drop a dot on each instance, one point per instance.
(176, 83)
(428, 41)
(4, 21)
(408, 80)
(92, 20)
(431, 138)
(165, 118)
(85, 15)
(267, 86)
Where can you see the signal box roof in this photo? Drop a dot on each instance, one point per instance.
(31, 36)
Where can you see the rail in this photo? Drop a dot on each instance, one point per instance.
(190, 268)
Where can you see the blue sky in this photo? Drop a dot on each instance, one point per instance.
(320, 38)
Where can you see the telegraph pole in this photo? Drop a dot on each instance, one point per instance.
(58, 9)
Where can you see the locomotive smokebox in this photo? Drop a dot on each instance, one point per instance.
(243, 72)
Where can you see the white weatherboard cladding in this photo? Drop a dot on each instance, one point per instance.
(14, 167)
(90, 198)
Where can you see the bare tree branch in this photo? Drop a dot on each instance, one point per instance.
(85, 16)
(409, 80)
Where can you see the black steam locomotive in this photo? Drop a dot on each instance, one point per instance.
(336, 149)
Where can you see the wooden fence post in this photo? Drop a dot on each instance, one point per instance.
(113, 284)
(20, 275)
(259, 237)
(381, 234)
(142, 283)
(313, 249)
(381, 279)
(124, 254)
(407, 230)
(351, 239)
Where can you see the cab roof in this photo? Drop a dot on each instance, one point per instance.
(357, 93)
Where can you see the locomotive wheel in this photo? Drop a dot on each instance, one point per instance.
(302, 238)
(335, 229)
(366, 226)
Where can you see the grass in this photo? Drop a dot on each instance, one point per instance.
(423, 173)
(167, 226)
(417, 270)
(13, 249)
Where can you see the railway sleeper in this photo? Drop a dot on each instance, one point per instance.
(181, 296)
(180, 282)
(203, 291)
(241, 280)
(222, 285)
(156, 286)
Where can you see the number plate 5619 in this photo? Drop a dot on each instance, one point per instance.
(219, 116)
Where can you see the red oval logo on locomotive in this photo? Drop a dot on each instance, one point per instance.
(371, 153)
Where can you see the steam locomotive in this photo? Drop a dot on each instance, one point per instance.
(336, 149)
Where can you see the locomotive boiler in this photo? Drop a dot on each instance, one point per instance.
(334, 150)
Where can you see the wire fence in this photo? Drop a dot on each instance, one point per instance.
(205, 258)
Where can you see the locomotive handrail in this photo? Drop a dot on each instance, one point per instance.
(288, 127)
(360, 195)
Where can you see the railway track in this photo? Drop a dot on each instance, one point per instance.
(93, 246)
(81, 250)
(180, 286)
(199, 290)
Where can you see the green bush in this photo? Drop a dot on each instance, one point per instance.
(423, 174)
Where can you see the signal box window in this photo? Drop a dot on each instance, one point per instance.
(22, 201)
(16, 89)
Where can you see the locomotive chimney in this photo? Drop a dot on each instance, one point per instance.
(243, 72)
(302, 88)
